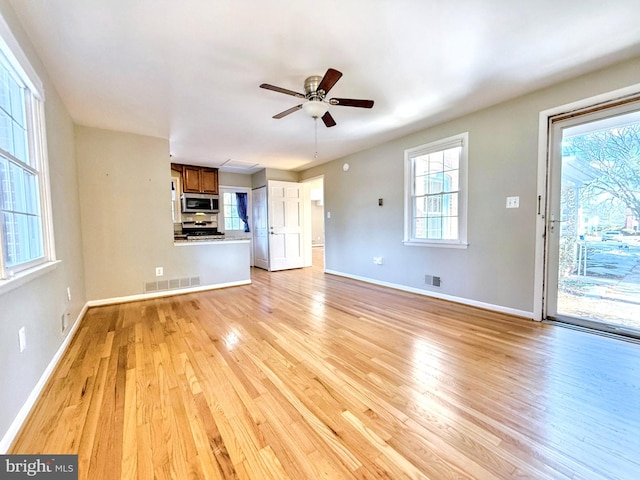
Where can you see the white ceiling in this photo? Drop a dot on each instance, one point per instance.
(189, 70)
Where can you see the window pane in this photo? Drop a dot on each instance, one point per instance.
(5, 91)
(435, 162)
(421, 207)
(434, 228)
(450, 204)
(436, 182)
(19, 143)
(36, 248)
(452, 183)
(452, 158)
(6, 132)
(5, 190)
(9, 238)
(421, 165)
(32, 201)
(17, 103)
(23, 238)
(434, 205)
(420, 230)
(449, 228)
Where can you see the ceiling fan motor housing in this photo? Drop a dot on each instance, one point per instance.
(311, 88)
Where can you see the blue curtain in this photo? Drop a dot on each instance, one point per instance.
(242, 209)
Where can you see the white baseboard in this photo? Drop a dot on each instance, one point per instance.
(22, 415)
(165, 293)
(428, 293)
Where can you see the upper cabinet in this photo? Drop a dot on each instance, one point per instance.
(198, 179)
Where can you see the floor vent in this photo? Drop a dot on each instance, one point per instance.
(432, 280)
(173, 284)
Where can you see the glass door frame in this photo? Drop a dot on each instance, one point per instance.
(551, 123)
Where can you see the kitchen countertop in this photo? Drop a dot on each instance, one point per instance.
(210, 241)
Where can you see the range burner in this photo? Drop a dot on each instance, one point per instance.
(200, 231)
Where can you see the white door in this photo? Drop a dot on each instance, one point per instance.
(592, 246)
(260, 228)
(286, 221)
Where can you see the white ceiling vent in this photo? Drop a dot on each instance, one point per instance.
(234, 166)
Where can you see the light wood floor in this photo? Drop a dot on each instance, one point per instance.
(309, 376)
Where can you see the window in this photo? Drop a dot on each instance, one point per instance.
(231, 219)
(24, 231)
(235, 206)
(435, 193)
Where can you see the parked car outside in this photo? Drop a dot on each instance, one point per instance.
(612, 235)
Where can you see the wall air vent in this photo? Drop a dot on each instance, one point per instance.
(432, 280)
(173, 284)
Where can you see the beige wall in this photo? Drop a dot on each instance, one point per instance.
(124, 185)
(497, 269)
(227, 179)
(40, 304)
(126, 219)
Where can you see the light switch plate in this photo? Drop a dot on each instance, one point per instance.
(22, 339)
(513, 202)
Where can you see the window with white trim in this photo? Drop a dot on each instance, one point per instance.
(230, 220)
(230, 212)
(24, 220)
(435, 193)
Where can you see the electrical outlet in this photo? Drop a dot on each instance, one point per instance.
(377, 260)
(22, 339)
(159, 271)
(513, 202)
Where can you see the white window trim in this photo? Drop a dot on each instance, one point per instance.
(435, 146)
(18, 59)
(38, 149)
(241, 232)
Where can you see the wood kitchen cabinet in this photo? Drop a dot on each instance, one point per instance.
(198, 179)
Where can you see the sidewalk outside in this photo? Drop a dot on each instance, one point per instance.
(610, 290)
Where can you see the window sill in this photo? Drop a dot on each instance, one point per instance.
(444, 244)
(26, 276)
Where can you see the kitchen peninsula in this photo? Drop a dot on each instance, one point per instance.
(209, 258)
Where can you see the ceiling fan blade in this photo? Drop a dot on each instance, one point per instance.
(351, 102)
(328, 120)
(281, 90)
(288, 111)
(329, 80)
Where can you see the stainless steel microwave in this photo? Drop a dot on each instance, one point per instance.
(199, 203)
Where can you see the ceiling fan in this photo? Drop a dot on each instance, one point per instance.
(315, 91)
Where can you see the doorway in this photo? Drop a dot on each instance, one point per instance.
(592, 238)
(279, 222)
(315, 187)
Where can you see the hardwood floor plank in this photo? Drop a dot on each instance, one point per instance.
(129, 466)
(303, 375)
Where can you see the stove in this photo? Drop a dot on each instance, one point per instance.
(201, 231)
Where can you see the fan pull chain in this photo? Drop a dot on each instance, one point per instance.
(315, 123)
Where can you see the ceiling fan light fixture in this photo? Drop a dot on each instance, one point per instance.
(315, 108)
